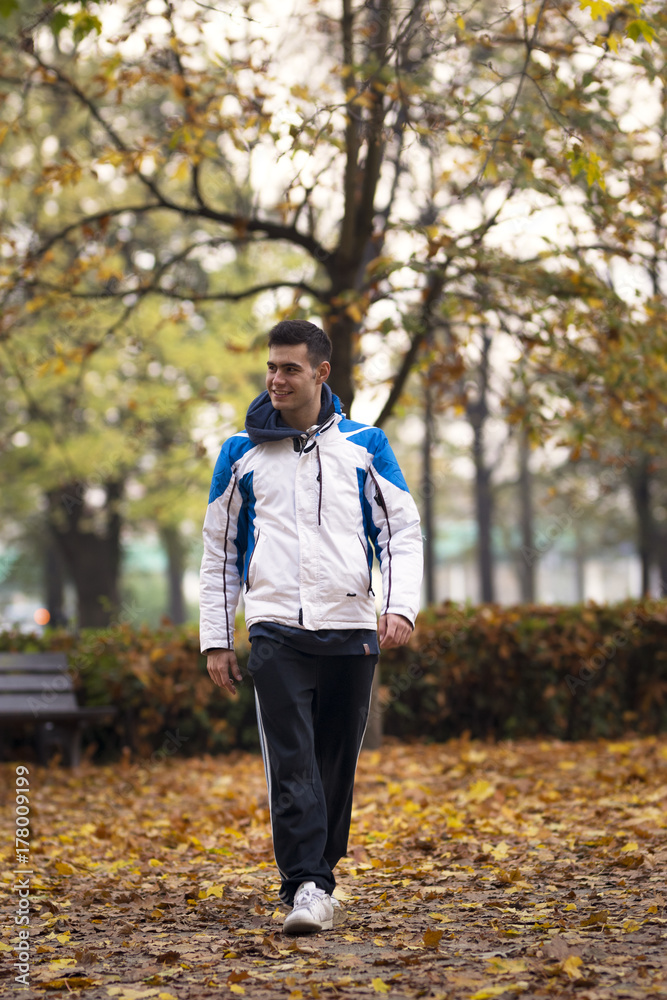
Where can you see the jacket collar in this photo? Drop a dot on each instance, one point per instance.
(264, 423)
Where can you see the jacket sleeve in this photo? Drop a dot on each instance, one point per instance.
(221, 566)
(396, 532)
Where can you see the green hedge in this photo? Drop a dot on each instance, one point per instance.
(574, 672)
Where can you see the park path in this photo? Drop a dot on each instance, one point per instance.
(529, 868)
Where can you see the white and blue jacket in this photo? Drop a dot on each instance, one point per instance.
(293, 519)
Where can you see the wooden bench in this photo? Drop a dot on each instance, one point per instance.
(36, 687)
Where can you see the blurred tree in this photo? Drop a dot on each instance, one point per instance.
(607, 365)
(190, 114)
(154, 154)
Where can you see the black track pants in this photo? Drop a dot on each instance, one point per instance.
(311, 712)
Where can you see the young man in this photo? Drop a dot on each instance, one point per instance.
(298, 502)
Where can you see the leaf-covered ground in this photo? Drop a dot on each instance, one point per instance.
(529, 868)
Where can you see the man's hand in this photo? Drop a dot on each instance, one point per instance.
(223, 668)
(394, 630)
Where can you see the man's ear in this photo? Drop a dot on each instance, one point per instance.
(322, 372)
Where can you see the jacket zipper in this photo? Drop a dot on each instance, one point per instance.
(380, 501)
(319, 479)
(252, 556)
(370, 572)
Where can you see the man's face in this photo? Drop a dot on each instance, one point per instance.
(293, 384)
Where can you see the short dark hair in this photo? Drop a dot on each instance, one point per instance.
(300, 331)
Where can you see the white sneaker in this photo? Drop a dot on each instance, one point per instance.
(313, 911)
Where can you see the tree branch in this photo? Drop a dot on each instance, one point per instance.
(269, 286)
(436, 283)
(351, 135)
(530, 45)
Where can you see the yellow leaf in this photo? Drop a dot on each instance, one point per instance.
(154, 863)
(460, 23)
(5, 947)
(63, 868)
(480, 791)
(380, 986)
(489, 991)
(631, 925)
(571, 967)
(631, 847)
(235, 988)
(599, 8)
(211, 890)
(597, 917)
(501, 851)
(131, 992)
(182, 171)
(63, 938)
(36, 303)
(499, 965)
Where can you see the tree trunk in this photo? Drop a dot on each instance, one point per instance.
(640, 485)
(341, 328)
(527, 562)
(478, 412)
(175, 549)
(661, 546)
(54, 582)
(89, 541)
(579, 565)
(427, 499)
(484, 512)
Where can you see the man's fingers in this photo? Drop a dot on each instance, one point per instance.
(223, 669)
(393, 630)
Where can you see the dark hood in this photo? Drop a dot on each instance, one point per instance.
(264, 423)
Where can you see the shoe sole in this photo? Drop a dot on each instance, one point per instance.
(304, 926)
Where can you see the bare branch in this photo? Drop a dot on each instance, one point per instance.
(530, 45)
(436, 283)
(154, 289)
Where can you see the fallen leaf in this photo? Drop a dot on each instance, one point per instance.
(432, 939)
(380, 986)
(572, 967)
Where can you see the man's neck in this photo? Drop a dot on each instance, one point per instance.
(301, 421)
